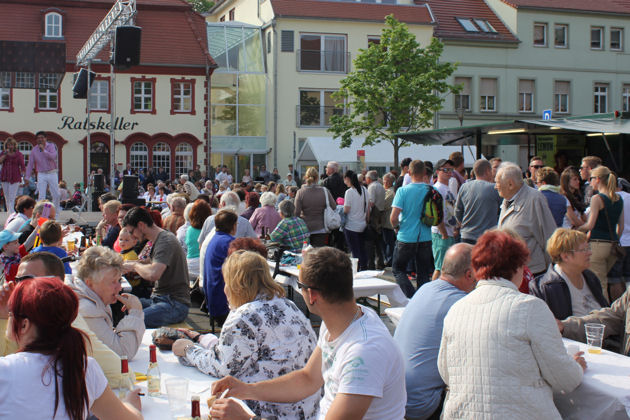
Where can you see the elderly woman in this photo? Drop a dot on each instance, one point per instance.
(569, 287)
(264, 336)
(181, 231)
(310, 202)
(265, 216)
(252, 201)
(23, 212)
(501, 354)
(291, 231)
(98, 286)
(13, 168)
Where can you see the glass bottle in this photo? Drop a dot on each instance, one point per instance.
(126, 384)
(195, 411)
(153, 373)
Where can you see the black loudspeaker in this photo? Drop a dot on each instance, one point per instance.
(127, 47)
(130, 187)
(99, 183)
(79, 89)
(134, 201)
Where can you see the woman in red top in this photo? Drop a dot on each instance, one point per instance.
(13, 168)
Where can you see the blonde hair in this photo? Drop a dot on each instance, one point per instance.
(112, 206)
(8, 141)
(96, 260)
(311, 176)
(564, 240)
(246, 275)
(608, 184)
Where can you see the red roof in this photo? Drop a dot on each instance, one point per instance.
(605, 6)
(449, 28)
(172, 33)
(340, 10)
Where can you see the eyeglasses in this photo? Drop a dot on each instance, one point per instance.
(536, 166)
(306, 286)
(587, 249)
(447, 170)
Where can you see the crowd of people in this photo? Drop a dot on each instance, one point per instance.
(508, 264)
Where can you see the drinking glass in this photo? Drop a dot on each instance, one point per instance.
(594, 337)
(71, 246)
(177, 392)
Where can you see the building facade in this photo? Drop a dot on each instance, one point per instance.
(160, 106)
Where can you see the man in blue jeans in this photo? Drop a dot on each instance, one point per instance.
(413, 241)
(167, 269)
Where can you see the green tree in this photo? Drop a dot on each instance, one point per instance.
(201, 6)
(396, 87)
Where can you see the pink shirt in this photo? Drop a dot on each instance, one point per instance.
(12, 167)
(44, 161)
(266, 216)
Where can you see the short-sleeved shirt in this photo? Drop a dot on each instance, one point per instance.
(27, 388)
(448, 202)
(409, 199)
(60, 252)
(356, 217)
(174, 280)
(364, 360)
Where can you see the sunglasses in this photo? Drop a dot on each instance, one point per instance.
(447, 170)
(306, 286)
(536, 166)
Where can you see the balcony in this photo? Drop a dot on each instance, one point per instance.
(324, 61)
(316, 116)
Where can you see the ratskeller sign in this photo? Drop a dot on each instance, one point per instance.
(69, 123)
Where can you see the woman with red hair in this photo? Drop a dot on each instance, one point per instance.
(501, 353)
(51, 376)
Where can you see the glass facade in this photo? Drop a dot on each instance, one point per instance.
(238, 96)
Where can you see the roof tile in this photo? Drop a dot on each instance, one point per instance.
(606, 6)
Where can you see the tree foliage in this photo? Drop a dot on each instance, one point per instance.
(201, 6)
(396, 87)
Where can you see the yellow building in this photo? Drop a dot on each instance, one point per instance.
(301, 49)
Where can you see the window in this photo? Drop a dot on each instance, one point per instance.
(99, 95)
(540, 34)
(616, 39)
(25, 80)
(597, 37)
(625, 97)
(47, 93)
(373, 39)
(143, 95)
(561, 97)
(139, 156)
(5, 92)
(316, 107)
(183, 96)
(52, 25)
(561, 33)
(25, 148)
(183, 159)
(488, 95)
(231, 13)
(322, 53)
(600, 98)
(484, 25)
(462, 100)
(162, 157)
(526, 95)
(467, 25)
(222, 19)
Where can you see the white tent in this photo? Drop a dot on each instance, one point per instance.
(320, 150)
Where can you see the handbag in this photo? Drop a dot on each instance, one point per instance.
(616, 249)
(332, 220)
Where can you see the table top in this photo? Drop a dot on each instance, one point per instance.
(395, 314)
(605, 390)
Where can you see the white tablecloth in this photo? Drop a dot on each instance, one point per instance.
(605, 390)
(395, 314)
(365, 284)
(156, 408)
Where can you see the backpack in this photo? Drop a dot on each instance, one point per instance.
(432, 211)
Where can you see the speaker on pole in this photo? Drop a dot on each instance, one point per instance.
(79, 89)
(99, 183)
(130, 187)
(127, 47)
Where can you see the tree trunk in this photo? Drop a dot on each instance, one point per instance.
(396, 144)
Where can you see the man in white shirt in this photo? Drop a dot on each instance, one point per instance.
(443, 237)
(356, 359)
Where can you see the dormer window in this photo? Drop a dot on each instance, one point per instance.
(53, 25)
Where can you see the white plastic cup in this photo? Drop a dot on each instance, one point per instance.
(177, 392)
(572, 349)
(594, 337)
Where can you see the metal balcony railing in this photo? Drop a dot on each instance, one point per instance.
(332, 61)
(316, 116)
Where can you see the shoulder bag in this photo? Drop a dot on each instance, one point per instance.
(332, 220)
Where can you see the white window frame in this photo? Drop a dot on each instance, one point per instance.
(600, 92)
(545, 34)
(467, 24)
(145, 98)
(459, 98)
(183, 159)
(559, 97)
(620, 48)
(484, 102)
(25, 148)
(601, 37)
(49, 97)
(179, 97)
(566, 35)
(161, 151)
(139, 156)
(625, 97)
(526, 97)
(322, 52)
(322, 107)
(5, 93)
(53, 25)
(99, 95)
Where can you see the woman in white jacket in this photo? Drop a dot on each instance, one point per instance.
(501, 354)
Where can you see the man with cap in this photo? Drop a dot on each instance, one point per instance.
(443, 236)
(11, 254)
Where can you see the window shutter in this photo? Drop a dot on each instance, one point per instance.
(488, 87)
(286, 41)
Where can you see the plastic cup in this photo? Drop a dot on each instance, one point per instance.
(572, 349)
(71, 244)
(594, 337)
(177, 392)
